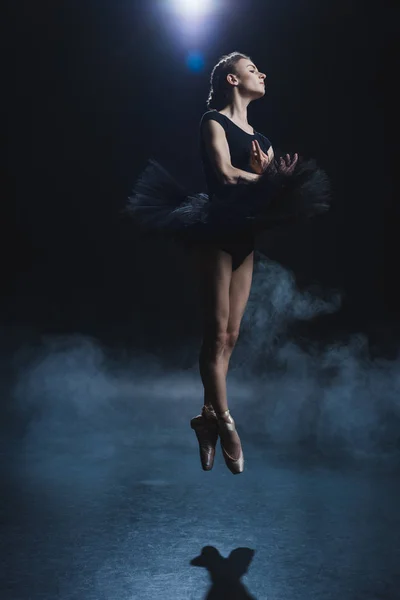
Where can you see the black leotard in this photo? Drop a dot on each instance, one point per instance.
(240, 144)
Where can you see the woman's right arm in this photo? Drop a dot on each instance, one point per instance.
(218, 151)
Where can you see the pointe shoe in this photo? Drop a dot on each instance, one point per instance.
(235, 465)
(206, 429)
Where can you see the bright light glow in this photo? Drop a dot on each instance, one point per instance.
(193, 22)
(193, 8)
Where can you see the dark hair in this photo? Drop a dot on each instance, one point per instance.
(218, 97)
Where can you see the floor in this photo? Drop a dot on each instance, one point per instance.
(116, 507)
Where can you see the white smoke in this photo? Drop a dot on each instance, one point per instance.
(76, 401)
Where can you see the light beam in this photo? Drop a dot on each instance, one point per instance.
(193, 8)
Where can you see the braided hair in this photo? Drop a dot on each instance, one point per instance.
(218, 96)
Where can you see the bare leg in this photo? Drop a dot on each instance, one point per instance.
(229, 347)
(212, 372)
(239, 292)
(216, 272)
(216, 346)
(225, 294)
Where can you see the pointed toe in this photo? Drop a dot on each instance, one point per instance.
(206, 431)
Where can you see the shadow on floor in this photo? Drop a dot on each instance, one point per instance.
(225, 573)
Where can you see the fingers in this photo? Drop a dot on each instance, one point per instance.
(284, 161)
(261, 152)
(258, 156)
(254, 158)
(287, 164)
(256, 151)
(288, 161)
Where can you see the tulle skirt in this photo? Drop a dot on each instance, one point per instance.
(160, 205)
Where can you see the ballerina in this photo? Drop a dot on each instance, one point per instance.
(248, 191)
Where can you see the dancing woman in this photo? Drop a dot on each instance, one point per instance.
(248, 191)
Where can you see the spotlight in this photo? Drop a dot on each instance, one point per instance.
(193, 21)
(193, 8)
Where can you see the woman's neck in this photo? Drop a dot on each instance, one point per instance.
(237, 110)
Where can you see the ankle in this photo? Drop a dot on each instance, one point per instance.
(224, 416)
(208, 411)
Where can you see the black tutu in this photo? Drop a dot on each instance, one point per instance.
(160, 205)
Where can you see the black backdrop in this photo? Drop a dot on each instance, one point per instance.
(95, 88)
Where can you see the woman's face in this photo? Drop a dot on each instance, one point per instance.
(250, 81)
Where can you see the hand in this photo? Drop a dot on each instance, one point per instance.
(287, 165)
(259, 161)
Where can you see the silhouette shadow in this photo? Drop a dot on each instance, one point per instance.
(225, 573)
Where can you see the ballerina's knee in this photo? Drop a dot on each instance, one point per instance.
(231, 339)
(219, 345)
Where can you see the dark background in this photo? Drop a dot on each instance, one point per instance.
(101, 489)
(94, 88)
